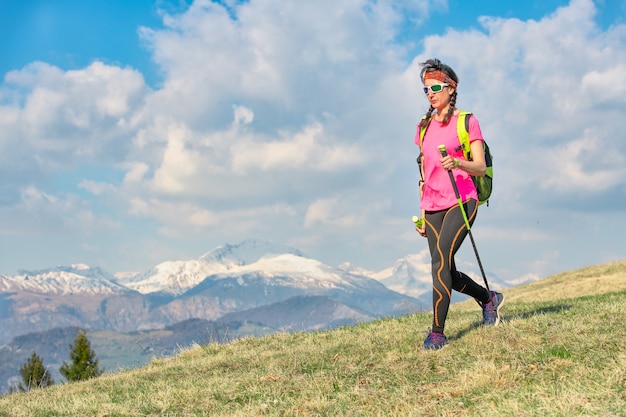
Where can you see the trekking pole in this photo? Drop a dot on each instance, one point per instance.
(444, 153)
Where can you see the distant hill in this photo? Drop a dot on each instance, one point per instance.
(302, 314)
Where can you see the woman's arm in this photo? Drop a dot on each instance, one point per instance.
(476, 167)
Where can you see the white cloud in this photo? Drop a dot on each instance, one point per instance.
(309, 150)
(188, 219)
(606, 86)
(243, 115)
(55, 119)
(588, 164)
(178, 165)
(39, 213)
(96, 187)
(135, 171)
(31, 197)
(327, 211)
(294, 121)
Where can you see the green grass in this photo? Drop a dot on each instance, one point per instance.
(561, 356)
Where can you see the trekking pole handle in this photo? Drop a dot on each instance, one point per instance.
(444, 153)
(418, 221)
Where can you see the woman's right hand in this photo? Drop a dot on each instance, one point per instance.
(420, 222)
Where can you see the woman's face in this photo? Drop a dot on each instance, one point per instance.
(438, 93)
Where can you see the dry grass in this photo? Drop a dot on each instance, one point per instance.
(561, 355)
(592, 280)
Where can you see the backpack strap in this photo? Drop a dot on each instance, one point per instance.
(462, 129)
(420, 158)
(423, 131)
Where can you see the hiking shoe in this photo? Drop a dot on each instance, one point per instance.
(491, 310)
(435, 341)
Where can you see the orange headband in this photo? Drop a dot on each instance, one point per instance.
(439, 76)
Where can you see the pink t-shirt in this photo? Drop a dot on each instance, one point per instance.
(438, 192)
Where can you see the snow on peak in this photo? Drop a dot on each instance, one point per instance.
(297, 271)
(251, 257)
(74, 279)
(290, 264)
(176, 277)
(410, 275)
(172, 277)
(357, 270)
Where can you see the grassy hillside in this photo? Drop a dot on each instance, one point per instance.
(561, 351)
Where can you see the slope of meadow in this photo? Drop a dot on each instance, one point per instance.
(560, 351)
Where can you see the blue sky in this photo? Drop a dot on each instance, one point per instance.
(132, 133)
(71, 34)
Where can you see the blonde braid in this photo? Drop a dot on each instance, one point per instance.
(426, 119)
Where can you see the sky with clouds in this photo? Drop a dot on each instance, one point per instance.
(133, 133)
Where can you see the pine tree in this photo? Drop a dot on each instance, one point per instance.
(84, 363)
(34, 374)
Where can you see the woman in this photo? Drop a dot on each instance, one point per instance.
(444, 226)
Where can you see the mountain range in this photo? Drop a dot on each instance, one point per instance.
(252, 288)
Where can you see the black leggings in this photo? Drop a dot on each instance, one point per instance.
(446, 231)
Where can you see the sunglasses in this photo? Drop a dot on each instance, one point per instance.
(435, 88)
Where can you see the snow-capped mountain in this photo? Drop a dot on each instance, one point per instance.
(238, 277)
(74, 279)
(172, 277)
(409, 275)
(295, 271)
(228, 279)
(275, 278)
(176, 277)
